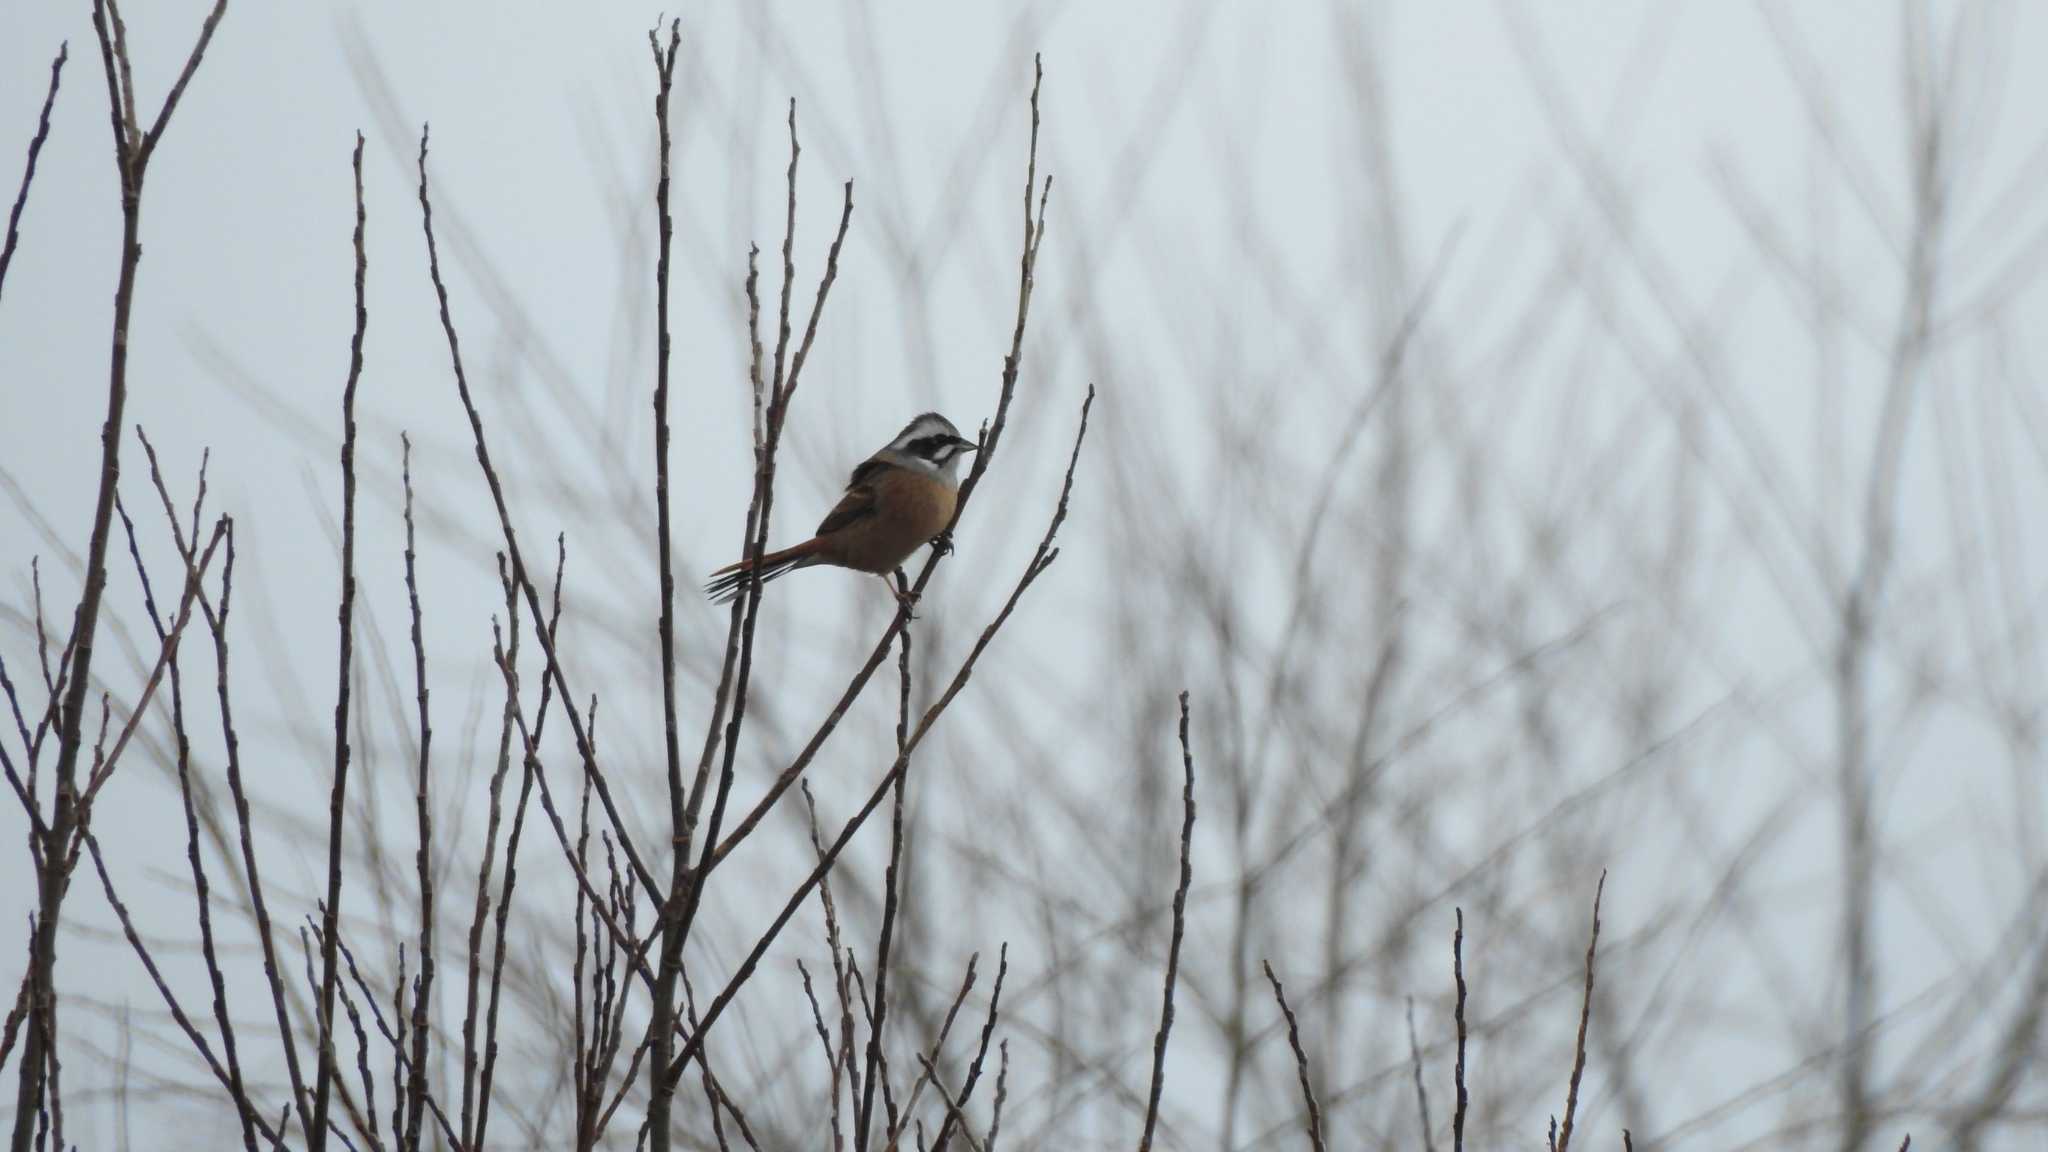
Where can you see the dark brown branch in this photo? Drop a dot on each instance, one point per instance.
(416, 1087)
(1308, 1092)
(665, 64)
(842, 1063)
(953, 1114)
(201, 890)
(192, 1034)
(867, 1013)
(1041, 560)
(490, 1054)
(401, 1063)
(1180, 920)
(163, 115)
(519, 570)
(35, 149)
(995, 1123)
(661, 1022)
(323, 1075)
(529, 738)
(131, 159)
(1571, 1096)
(764, 496)
(894, 1132)
(824, 1041)
(1034, 234)
(889, 903)
(369, 1082)
(104, 759)
(217, 623)
(1458, 1073)
(988, 1030)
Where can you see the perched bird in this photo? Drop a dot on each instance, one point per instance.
(898, 499)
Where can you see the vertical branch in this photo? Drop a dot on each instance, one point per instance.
(889, 902)
(330, 915)
(894, 1132)
(416, 1086)
(51, 881)
(397, 1042)
(1458, 974)
(201, 890)
(661, 1025)
(1308, 1092)
(680, 915)
(1180, 919)
(665, 65)
(35, 149)
(1041, 560)
(1571, 1096)
(217, 623)
(1034, 235)
(131, 159)
(995, 1123)
(483, 880)
(988, 1030)
(510, 663)
(583, 1049)
(503, 509)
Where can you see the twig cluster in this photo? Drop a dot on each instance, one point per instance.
(630, 973)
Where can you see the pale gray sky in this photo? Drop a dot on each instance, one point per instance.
(1213, 267)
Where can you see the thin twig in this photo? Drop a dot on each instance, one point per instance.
(217, 623)
(1308, 1092)
(1041, 560)
(783, 390)
(1458, 973)
(416, 1088)
(894, 1132)
(1034, 235)
(131, 159)
(995, 1123)
(831, 1061)
(178, 1015)
(35, 149)
(889, 902)
(337, 803)
(953, 1113)
(988, 1030)
(1180, 920)
(201, 890)
(1571, 1096)
(519, 569)
(490, 1053)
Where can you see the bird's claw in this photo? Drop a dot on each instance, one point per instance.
(906, 596)
(942, 544)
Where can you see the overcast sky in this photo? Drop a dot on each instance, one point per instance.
(1199, 159)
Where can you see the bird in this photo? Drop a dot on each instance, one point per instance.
(897, 500)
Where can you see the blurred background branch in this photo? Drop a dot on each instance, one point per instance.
(1543, 442)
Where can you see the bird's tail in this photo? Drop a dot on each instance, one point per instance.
(727, 583)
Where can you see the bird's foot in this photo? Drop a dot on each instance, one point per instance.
(906, 596)
(942, 544)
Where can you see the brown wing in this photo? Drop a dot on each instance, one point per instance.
(859, 501)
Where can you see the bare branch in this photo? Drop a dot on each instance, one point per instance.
(1180, 919)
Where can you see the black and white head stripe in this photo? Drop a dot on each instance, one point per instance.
(931, 437)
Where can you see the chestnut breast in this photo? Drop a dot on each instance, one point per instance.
(909, 509)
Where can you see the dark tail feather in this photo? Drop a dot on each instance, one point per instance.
(727, 583)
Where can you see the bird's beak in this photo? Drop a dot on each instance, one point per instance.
(967, 445)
